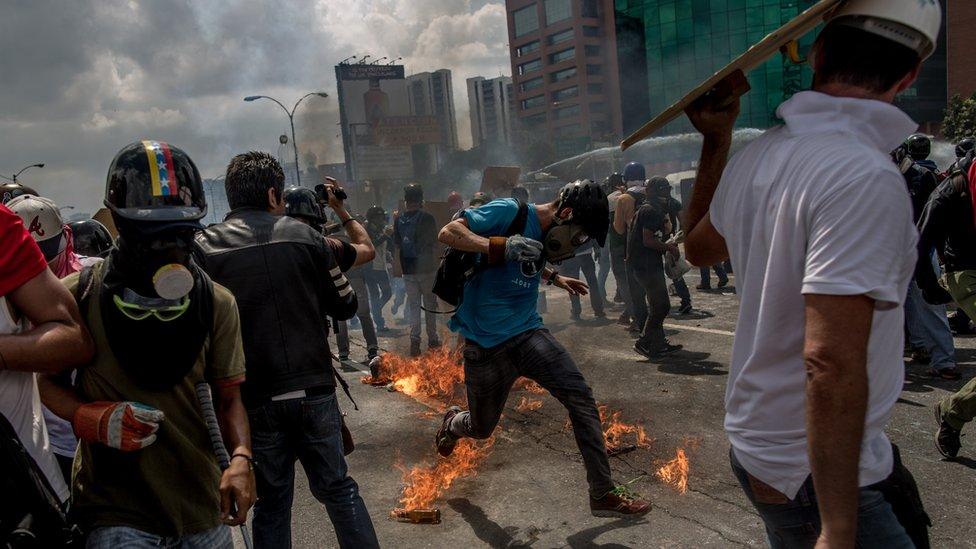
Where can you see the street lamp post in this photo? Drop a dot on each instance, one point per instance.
(291, 120)
(24, 169)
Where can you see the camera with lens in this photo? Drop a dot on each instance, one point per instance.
(323, 196)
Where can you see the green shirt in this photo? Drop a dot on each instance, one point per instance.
(169, 488)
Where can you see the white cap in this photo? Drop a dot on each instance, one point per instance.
(913, 23)
(42, 219)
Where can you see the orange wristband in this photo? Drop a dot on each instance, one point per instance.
(496, 250)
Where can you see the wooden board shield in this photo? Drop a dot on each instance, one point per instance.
(752, 58)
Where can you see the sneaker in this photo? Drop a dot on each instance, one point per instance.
(946, 438)
(665, 348)
(624, 320)
(950, 374)
(575, 316)
(414, 348)
(343, 358)
(433, 344)
(642, 350)
(704, 287)
(445, 441)
(685, 309)
(619, 502)
(599, 314)
(921, 355)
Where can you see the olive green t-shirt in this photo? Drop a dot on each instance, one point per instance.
(169, 488)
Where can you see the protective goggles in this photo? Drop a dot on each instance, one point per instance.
(139, 311)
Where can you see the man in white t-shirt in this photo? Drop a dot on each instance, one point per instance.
(30, 295)
(818, 223)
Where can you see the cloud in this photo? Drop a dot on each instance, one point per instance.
(84, 78)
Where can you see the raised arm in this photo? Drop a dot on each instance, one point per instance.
(358, 237)
(703, 243)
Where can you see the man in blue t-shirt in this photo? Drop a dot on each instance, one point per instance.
(503, 332)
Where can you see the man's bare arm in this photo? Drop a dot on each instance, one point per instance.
(237, 482)
(457, 235)
(652, 242)
(622, 213)
(835, 354)
(60, 398)
(703, 244)
(58, 341)
(358, 237)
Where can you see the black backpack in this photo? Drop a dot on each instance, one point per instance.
(458, 267)
(31, 516)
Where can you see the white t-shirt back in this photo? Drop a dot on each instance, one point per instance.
(20, 403)
(813, 207)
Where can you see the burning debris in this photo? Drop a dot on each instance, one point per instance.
(423, 484)
(528, 405)
(436, 375)
(526, 384)
(675, 472)
(621, 437)
(418, 516)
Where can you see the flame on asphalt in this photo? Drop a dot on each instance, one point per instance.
(424, 483)
(528, 405)
(618, 434)
(675, 472)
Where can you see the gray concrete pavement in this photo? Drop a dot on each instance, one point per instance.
(531, 490)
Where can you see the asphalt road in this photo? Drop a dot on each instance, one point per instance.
(531, 491)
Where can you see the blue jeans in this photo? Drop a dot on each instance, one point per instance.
(928, 328)
(602, 258)
(309, 430)
(796, 523)
(123, 537)
(571, 268)
(380, 292)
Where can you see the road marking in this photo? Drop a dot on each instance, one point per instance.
(699, 329)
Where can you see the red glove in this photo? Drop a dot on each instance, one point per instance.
(124, 426)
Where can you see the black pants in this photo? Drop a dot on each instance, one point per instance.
(488, 378)
(649, 292)
(706, 279)
(572, 268)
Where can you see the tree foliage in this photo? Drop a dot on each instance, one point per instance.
(960, 118)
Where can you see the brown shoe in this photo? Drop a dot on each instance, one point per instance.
(619, 502)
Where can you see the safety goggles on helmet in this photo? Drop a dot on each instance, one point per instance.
(136, 307)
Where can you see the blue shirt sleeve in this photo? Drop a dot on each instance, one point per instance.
(493, 218)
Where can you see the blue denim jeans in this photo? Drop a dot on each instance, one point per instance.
(928, 328)
(380, 292)
(796, 523)
(123, 537)
(309, 430)
(602, 258)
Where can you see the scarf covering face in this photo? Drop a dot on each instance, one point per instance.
(157, 354)
(66, 262)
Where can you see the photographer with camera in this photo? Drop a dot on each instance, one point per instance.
(287, 279)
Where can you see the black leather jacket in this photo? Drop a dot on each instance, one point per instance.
(286, 280)
(946, 224)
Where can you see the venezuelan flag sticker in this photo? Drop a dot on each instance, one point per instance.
(161, 168)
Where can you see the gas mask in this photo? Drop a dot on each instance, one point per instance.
(156, 264)
(562, 240)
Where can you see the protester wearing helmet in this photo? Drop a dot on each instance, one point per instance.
(817, 221)
(504, 334)
(415, 237)
(301, 203)
(10, 191)
(91, 238)
(646, 246)
(375, 272)
(288, 279)
(161, 327)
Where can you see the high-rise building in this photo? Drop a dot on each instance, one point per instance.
(432, 94)
(961, 44)
(491, 106)
(564, 72)
(665, 48)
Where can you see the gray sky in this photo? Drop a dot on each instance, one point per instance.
(81, 79)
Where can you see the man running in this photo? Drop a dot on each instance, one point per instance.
(504, 335)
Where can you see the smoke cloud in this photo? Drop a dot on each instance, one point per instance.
(84, 78)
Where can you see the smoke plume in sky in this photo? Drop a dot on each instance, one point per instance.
(81, 79)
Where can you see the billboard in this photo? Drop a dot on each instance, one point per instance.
(378, 130)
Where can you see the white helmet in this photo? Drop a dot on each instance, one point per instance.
(912, 23)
